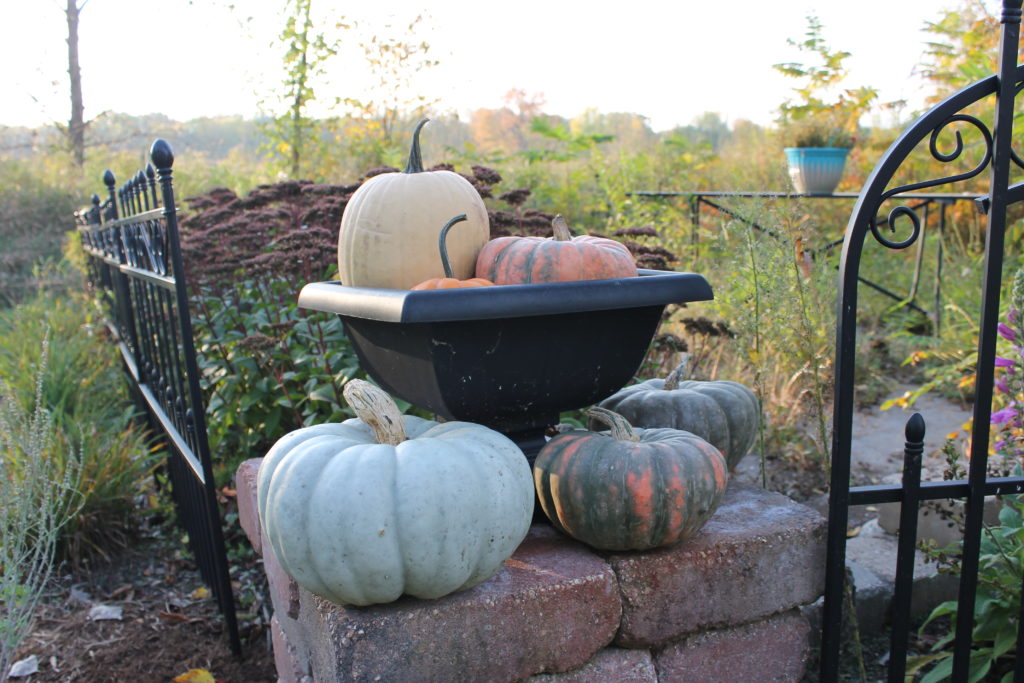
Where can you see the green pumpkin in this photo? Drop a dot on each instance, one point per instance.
(383, 505)
(629, 489)
(724, 413)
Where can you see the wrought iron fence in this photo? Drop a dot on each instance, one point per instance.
(134, 258)
(996, 157)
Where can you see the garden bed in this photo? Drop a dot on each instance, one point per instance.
(168, 625)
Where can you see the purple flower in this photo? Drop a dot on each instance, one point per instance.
(1002, 385)
(1003, 416)
(1012, 315)
(1007, 332)
(1005, 362)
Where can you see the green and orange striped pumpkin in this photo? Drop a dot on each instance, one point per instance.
(561, 258)
(630, 489)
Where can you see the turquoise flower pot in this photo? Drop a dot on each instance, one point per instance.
(816, 170)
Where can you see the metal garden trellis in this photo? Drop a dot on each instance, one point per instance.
(717, 201)
(997, 157)
(134, 262)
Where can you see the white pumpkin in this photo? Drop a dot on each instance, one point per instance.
(388, 235)
(364, 511)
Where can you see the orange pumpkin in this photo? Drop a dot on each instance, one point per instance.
(561, 258)
(449, 281)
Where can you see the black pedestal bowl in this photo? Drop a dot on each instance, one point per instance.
(509, 357)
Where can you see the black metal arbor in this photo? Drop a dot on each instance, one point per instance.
(997, 157)
(135, 265)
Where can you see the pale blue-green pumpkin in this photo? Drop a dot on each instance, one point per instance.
(383, 505)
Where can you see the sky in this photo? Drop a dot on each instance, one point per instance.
(668, 61)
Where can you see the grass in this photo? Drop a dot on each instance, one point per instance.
(84, 393)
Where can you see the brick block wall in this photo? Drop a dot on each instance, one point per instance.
(559, 611)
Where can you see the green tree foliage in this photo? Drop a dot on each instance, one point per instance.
(376, 128)
(820, 97)
(964, 49)
(293, 135)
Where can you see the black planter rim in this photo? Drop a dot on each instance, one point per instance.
(652, 287)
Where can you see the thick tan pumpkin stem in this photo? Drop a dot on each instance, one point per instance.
(442, 245)
(374, 407)
(672, 381)
(560, 229)
(415, 163)
(620, 427)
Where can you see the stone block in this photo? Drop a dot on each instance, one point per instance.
(772, 649)
(291, 666)
(875, 549)
(872, 595)
(936, 519)
(248, 512)
(551, 607)
(610, 664)
(760, 553)
(284, 591)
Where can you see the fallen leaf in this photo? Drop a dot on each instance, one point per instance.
(195, 676)
(200, 593)
(101, 612)
(25, 667)
(853, 533)
(79, 595)
(118, 592)
(173, 617)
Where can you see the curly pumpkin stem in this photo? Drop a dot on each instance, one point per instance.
(415, 163)
(374, 407)
(620, 428)
(560, 229)
(442, 245)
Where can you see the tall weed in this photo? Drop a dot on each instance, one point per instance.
(38, 497)
(778, 297)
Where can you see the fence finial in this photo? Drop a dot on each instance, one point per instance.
(161, 154)
(914, 431)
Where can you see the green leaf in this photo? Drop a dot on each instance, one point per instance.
(1009, 516)
(941, 610)
(981, 662)
(1006, 640)
(940, 671)
(915, 664)
(323, 394)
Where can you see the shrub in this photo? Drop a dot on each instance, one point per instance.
(267, 367)
(84, 393)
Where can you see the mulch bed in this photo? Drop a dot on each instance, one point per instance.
(168, 623)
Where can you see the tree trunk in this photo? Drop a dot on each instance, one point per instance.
(76, 126)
